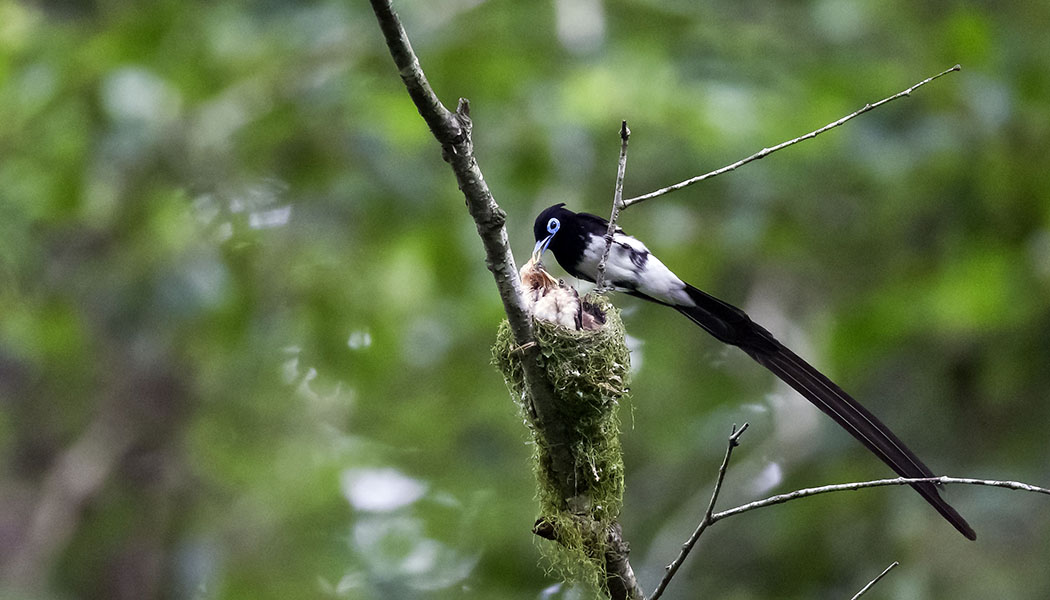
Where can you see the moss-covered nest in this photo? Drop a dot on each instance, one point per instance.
(589, 371)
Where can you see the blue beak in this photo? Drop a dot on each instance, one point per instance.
(541, 247)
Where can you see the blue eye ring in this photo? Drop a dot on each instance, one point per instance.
(553, 225)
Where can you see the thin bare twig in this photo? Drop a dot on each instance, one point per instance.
(687, 547)
(767, 151)
(845, 487)
(625, 133)
(872, 583)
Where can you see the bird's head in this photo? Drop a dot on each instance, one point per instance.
(547, 226)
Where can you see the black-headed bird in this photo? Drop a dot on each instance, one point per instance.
(578, 242)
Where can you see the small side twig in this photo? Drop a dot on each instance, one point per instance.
(767, 151)
(872, 583)
(687, 547)
(625, 134)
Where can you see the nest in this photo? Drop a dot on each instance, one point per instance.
(589, 371)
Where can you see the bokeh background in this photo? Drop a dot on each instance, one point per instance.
(245, 320)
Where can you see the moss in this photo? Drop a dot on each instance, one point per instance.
(589, 372)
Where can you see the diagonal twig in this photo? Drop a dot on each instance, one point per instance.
(872, 583)
(767, 151)
(687, 547)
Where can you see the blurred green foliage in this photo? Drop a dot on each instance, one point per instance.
(245, 321)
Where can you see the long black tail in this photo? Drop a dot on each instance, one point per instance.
(732, 326)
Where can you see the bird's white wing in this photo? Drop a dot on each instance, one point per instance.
(632, 267)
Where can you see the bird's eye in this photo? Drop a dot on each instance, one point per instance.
(553, 226)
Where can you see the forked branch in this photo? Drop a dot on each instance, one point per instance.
(710, 517)
(687, 547)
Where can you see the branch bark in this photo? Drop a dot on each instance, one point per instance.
(453, 131)
(76, 478)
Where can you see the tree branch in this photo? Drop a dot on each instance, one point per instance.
(620, 579)
(767, 151)
(440, 120)
(453, 131)
(625, 134)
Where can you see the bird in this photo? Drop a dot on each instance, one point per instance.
(577, 241)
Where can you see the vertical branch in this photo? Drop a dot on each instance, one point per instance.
(625, 133)
(621, 580)
(453, 131)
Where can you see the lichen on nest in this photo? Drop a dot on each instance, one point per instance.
(589, 372)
